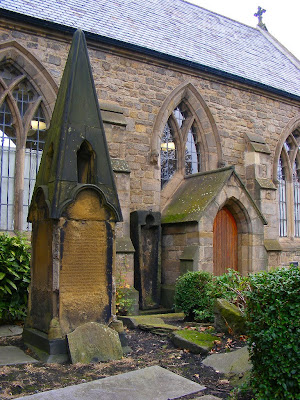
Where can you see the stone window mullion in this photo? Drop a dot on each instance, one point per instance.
(19, 183)
(22, 141)
(290, 208)
(182, 122)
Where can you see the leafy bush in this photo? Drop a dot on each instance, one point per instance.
(233, 287)
(124, 302)
(193, 295)
(273, 320)
(14, 277)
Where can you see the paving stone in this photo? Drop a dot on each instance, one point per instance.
(10, 330)
(12, 355)
(234, 362)
(144, 384)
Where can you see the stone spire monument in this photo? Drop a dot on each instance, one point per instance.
(73, 212)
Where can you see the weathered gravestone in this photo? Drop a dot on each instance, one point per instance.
(92, 342)
(145, 231)
(73, 213)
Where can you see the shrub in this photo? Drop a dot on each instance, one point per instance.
(273, 321)
(233, 287)
(124, 301)
(193, 295)
(14, 277)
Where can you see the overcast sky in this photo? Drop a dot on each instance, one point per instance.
(282, 18)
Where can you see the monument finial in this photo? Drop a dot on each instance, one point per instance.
(259, 14)
(76, 154)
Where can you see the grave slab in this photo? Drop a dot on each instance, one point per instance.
(11, 355)
(10, 330)
(234, 362)
(144, 384)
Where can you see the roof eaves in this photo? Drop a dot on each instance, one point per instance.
(143, 50)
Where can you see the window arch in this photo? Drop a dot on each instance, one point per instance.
(22, 138)
(180, 147)
(288, 175)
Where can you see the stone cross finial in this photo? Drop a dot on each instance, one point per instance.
(259, 15)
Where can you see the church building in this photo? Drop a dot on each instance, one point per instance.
(202, 119)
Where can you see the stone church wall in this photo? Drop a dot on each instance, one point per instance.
(139, 85)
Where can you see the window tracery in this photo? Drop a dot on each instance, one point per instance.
(289, 186)
(22, 138)
(180, 148)
(282, 199)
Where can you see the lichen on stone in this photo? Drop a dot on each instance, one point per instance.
(194, 195)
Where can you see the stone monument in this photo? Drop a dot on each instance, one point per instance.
(145, 231)
(73, 213)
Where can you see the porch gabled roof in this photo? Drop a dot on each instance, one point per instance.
(195, 194)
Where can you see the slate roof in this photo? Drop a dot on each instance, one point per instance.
(178, 29)
(195, 194)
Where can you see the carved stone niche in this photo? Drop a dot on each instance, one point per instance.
(145, 231)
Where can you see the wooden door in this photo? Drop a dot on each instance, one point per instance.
(225, 242)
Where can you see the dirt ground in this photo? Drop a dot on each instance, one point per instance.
(147, 349)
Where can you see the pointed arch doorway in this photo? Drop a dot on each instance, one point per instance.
(225, 242)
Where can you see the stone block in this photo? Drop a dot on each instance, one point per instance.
(148, 383)
(93, 342)
(228, 318)
(179, 240)
(235, 362)
(167, 296)
(194, 341)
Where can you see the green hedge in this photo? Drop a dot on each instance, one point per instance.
(196, 291)
(193, 295)
(273, 322)
(14, 277)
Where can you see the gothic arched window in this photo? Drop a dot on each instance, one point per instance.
(180, 149)
(289, 186)
(22, 138)
(282, 199)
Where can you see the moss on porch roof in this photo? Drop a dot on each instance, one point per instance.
(194, 195)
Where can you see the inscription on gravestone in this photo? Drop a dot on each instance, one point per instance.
(84, 286)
